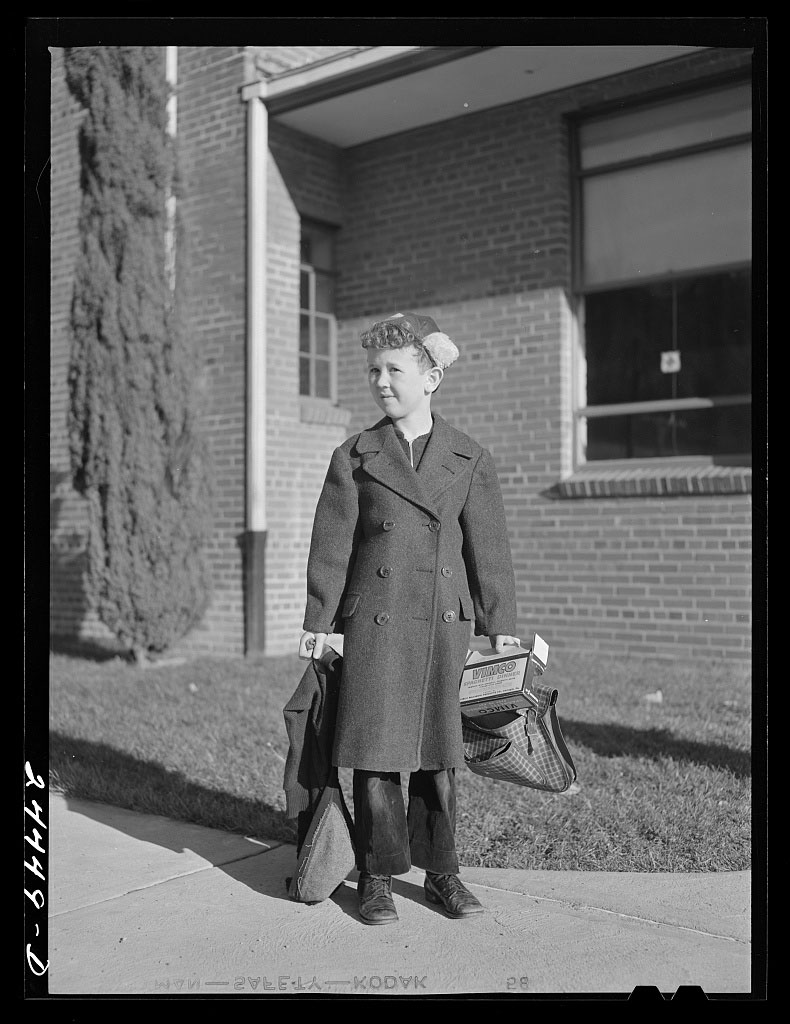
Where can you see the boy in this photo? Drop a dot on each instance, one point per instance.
(409, 545)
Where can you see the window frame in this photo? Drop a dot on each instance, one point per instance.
(581, 412)
(314, 315)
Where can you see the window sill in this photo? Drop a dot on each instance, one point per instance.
(321, 410)
(653, 481)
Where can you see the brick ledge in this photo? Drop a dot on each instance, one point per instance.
(320, 410)
(651, 482)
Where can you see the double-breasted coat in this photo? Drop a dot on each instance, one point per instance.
(401, 561)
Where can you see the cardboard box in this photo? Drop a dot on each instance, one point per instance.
(493, 683)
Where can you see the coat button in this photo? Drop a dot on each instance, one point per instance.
(382, 617)
(385, 570)
(446, 570)
(433, 525)
(448, 616)
(387, 524)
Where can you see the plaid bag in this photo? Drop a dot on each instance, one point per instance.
(529, 750)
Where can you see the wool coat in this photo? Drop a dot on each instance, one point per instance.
(401, 561)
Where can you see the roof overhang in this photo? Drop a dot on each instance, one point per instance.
(371, 92)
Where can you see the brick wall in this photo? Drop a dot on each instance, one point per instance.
(469, 221)
(273, 60)
(212, 154)
(311, 171)
(304, 181)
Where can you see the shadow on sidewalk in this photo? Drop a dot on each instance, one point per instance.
(261, 869)
(193, 812)
(160, 806)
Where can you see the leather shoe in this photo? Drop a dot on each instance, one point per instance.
(452, 894)
(375, 899)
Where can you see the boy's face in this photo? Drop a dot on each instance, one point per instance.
(397, 383)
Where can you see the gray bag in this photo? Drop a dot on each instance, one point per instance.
(327, 853)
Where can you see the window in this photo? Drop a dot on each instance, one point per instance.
(664, 280)
(317, 328)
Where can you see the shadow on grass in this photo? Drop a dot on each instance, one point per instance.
(613, 740)
(90, 650)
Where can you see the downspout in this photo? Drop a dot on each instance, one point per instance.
(255, 511)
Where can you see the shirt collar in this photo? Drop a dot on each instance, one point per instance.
(419, 437)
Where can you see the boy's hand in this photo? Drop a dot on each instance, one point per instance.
(500, 642)
(312, 645)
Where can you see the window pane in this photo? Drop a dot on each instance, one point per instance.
(714, 333)
(675, 215)
(324, 292)
(718, 431)
(626, 331)
(696, 119)
(705, 319)
(322, 382)
(321, 336)
(304, 375)
(318, 306)
(304, 333)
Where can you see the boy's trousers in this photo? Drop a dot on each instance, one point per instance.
(389, 840)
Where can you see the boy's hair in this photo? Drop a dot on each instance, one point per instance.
(404, 330)
(396, 339)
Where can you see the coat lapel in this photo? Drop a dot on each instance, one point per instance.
(384, 459)
(447, 456)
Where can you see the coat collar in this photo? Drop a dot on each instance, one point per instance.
(447, 457)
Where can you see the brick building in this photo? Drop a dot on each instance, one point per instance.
(579, 222)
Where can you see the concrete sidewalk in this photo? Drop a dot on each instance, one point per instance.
(140, 904)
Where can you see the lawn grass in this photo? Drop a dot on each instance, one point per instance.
(661, 787)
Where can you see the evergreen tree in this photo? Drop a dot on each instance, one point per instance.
(136, 452)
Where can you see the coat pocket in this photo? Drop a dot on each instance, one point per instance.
(467, 608)
(350, 604)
